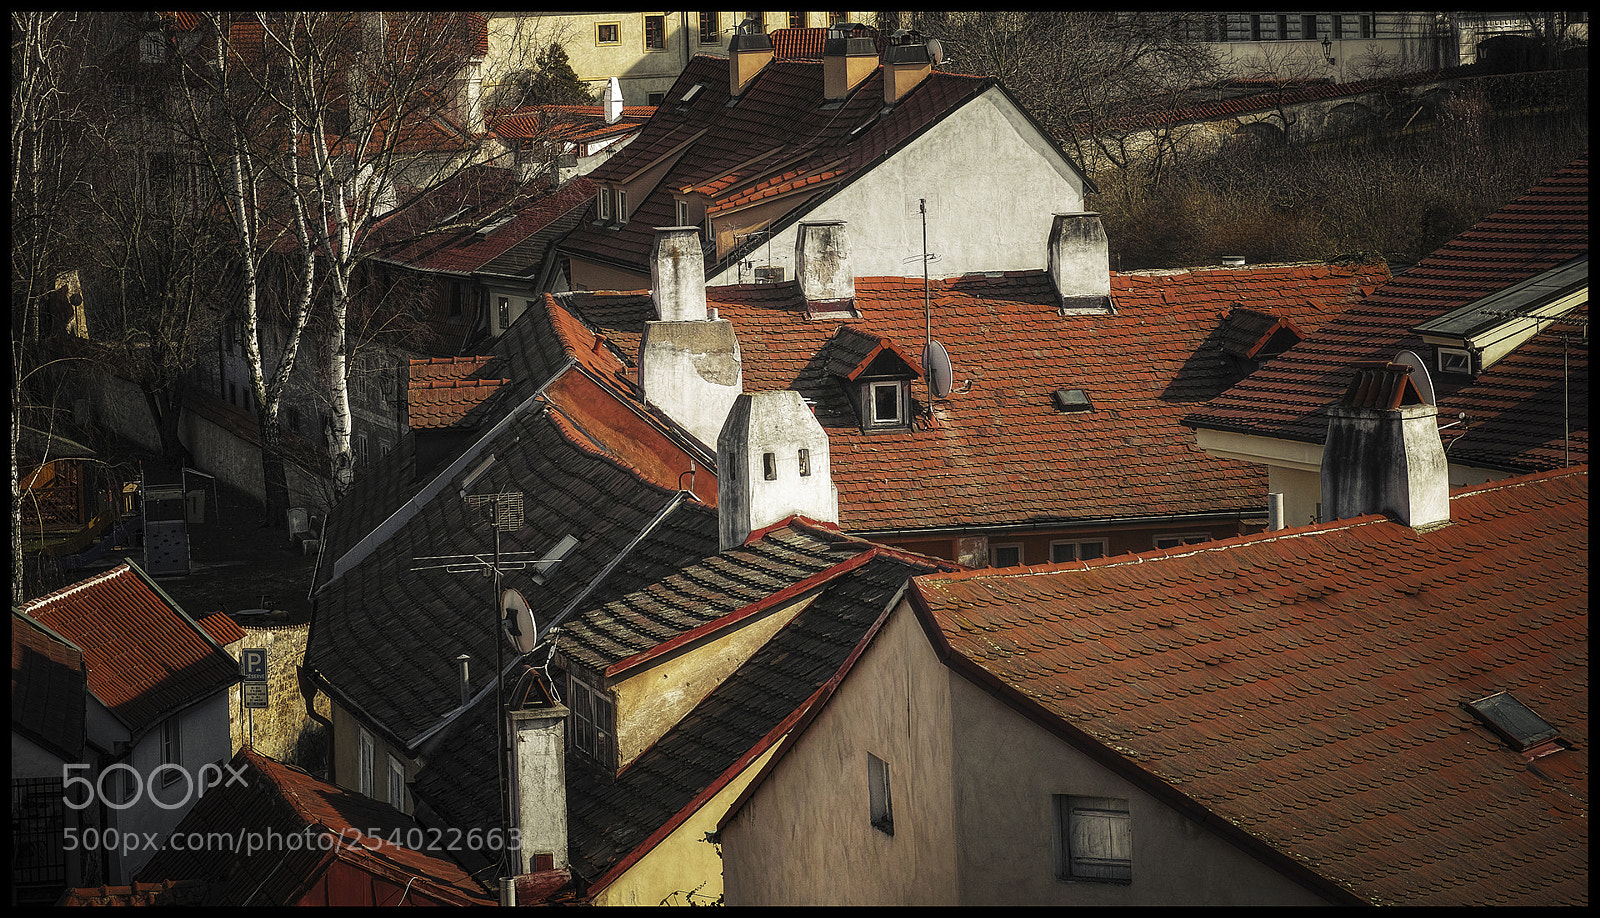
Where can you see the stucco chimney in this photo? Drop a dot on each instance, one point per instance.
(849, 55)
(613, 101)
(908, 58)
(748, 51)
(1383, 453)
(538, 755)
(678, 274)
(1080, 263)
(822, 266)
(772, 463)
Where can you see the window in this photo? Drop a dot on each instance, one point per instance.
(1095, 839)
(622, 206)
(1308, 26)
(1188, 538)
(797, 20)
(504, 312)
(171, 751)
(880, 807)
(455, 298)
(683, 212)
(365, 753)
(1283, 27)
(1338, 27)
(602, 205)
(294, 419)
(1005, 555)
(397, 784)
(1455, 360)
(1366, 26)
(655, 33)
(592, 730)
(1255, 26)
(886, 404)
(362, 452)
(805, 463)
(709, 33)
(769, 466)
(836, 17)
(606, 33)
(655, 98)
(1077, 551)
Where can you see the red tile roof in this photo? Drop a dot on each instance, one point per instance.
(778, 139)
(222, 628)
(164, 892)
(48, 688)
(1516, 406)
(446, 392)
(579, 124)
(807, 44)
(996, 451)
(1306, 685)
(342, 827)
(146, 657)
(426, 238)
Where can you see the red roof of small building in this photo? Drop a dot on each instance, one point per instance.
(449, 391)
(996, 451)
(222, 628)
(1306, 686)
(146, 658)
(1515, 408)
(477, 221)
(346, 849)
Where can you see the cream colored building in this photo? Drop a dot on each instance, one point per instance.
(645, 51)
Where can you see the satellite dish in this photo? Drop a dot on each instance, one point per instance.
(1419, 375)
(936, 366)
(935, 51)
(518, 621)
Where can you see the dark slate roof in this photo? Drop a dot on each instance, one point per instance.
(385, 635)
(1516, 406)
(48, 688)
(346, 831)
(145, 657)
(613, 821)
(778, 138)
(997, 451)
(1306, 686)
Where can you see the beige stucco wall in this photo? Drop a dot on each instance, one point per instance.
(685, 868)
(992, 185)
(653, 700)
(806, 838)
(973, 784)
(344, 751)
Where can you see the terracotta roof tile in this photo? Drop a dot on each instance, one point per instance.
(1307, 685)
(1515, 407)
(145, 657)
(271, 797)
(997, 451)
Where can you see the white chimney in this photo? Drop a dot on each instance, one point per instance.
(1383, 453)
(613, 101)
(539, 756)
(822, 266)
(1080, 263)
(772, 463)
(689, 363)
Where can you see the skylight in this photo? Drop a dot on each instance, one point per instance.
(1512, 721)
(1072, 400)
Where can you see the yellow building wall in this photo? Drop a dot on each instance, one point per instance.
(685, 868)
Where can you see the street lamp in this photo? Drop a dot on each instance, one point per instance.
(1327, 51)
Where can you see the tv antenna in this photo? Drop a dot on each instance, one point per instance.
(1566, 372)
(936, 371)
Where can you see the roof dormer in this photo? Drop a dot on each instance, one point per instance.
(876, 376)
(1471, 339)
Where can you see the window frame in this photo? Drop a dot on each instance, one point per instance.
(1461, 360)
(397, 783)
(996, 547)
(602, 210)
(681, 211)
(171, 751)
(595, 741)
(1075, 867)
(616, 33)
(366, 752)
(1179, 539)
(880, 800)
(870, 397)
(715, 21)
(661, 23)
(1077, 549)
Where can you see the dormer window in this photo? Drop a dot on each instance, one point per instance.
(683, 212)
(622, 206)
(888, 401)
(602, 204)
(1454, 360)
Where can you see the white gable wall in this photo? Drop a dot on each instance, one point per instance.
(992, 184)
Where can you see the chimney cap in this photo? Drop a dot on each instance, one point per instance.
(908, 46)
(850, 39)
(749, 36)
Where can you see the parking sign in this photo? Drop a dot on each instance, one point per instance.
(253, 664)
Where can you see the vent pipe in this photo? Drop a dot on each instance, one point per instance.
(466, 682)
(613, 101)
(1274, 511)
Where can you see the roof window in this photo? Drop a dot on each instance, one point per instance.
(1072, 400)
(1512, 721)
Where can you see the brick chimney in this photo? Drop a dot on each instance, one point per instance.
(772, 463)
(908, 58)
(849, 55)
(1080, 264)
(748, 51)
(1383, 453)
(539, 786)
(822, 266)
(689, 363)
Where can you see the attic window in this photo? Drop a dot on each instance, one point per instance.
(544, 566)
(1071, 400)
(1454, 360)
(693, 91)
(887, 403)
(1511, 720)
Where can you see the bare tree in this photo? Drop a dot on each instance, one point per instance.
(47, 163)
